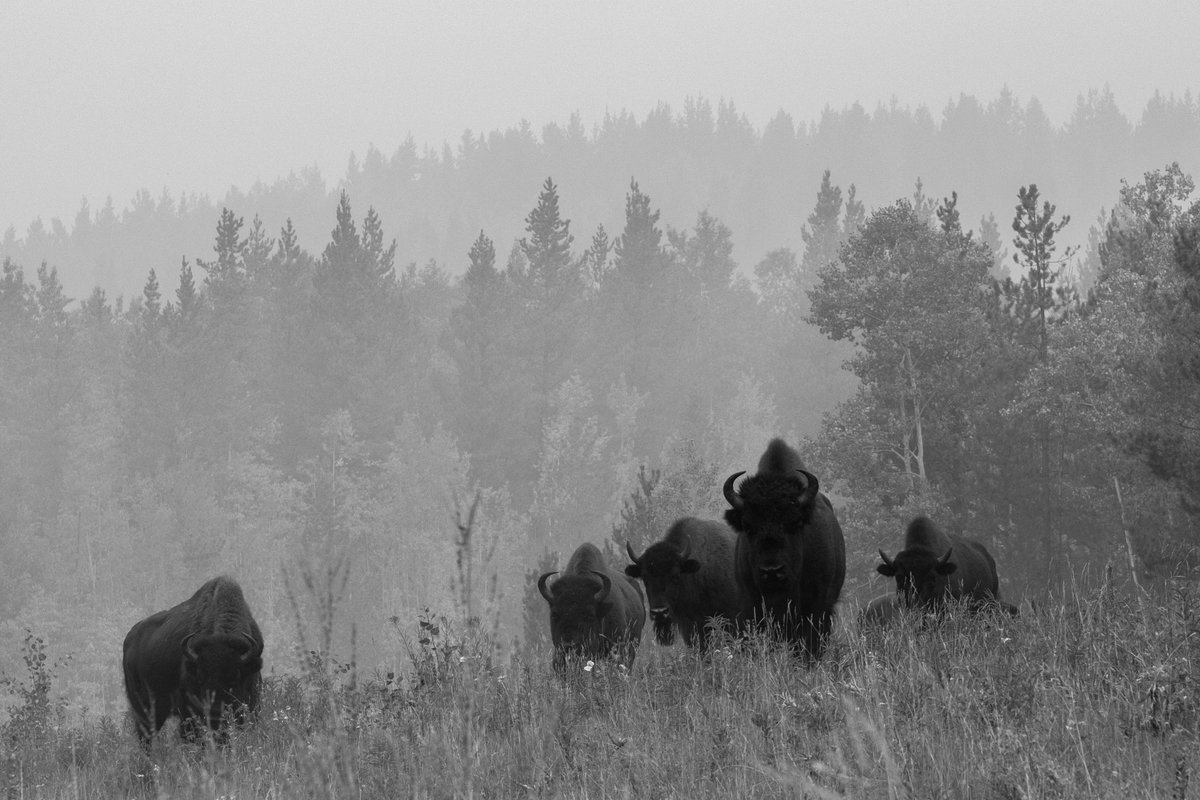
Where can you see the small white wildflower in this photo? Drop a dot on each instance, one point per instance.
(462, 659)
(588, 666)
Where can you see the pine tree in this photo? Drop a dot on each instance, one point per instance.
(597, 257)
(1041, 295)
(379, 259)
(637, 254)
(151, 303)
(947, 214)
(855, 216)
(552, 290)
(187, 300)
(230, 249)
(256, 252)
(823, 234)
(548, 249)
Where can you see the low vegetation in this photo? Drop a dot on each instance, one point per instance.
(1092, 697)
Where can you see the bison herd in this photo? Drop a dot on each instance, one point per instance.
(776, 564)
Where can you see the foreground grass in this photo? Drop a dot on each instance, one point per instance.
(1095, 699)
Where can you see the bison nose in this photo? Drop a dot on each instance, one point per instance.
(772, 575)
(661, 614)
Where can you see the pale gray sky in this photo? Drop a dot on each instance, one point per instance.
(103, 98)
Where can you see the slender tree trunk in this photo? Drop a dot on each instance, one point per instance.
(914, 434)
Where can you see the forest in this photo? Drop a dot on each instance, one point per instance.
(370, 445)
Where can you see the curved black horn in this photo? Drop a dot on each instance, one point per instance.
(886, 560)
(732, 496)
(602, 595)
(542, 586)
(252, 648)
(946, 558)
(629, 549)
(187, 647)
(686, 549)
(809, 493)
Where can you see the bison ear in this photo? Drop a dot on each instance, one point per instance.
(886, 569)
(689, 566)
(734, 517)
(633, 570)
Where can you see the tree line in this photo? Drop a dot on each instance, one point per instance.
(759, 180)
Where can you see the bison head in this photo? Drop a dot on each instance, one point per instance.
(921, 577)
(662, 569)
(220, 668)
(577, 609)
(770, 512)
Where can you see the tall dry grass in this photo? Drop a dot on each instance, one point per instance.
(1094, 697)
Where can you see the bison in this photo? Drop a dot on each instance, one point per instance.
(936, 566)
(688, 576)
(193, 662)
(790, 559)
(594, 610)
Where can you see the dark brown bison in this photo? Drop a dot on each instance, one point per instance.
(195, 661)
(594, 611)
(936, 566)
(790, 561)
(688, 576)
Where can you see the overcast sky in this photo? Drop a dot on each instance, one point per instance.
(100, 98)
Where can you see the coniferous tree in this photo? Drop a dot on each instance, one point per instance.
(489, 375)
(947, 214)
(823, 235)
(597, 258)
(1041, 294)
(1023, 446)
(552, 289)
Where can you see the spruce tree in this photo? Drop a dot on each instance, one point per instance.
(823, 234)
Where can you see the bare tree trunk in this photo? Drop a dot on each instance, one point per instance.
(1129, 548)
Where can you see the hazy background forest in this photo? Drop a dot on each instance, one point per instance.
(307, 386)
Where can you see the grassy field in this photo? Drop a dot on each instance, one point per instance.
(1092, 698)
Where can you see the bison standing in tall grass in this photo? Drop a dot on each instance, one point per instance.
(936, 566)
(689, 580)
(195, 661)
(790, 561)
(595, 611)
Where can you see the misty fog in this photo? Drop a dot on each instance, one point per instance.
(307, 383)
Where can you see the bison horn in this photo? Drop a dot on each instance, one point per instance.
(733, 498)
(188, 650)
(946, 558)
(605, 588)
(809, 492)
(629, 549)
(543, 589)
(686, 549)
(886, 560)
(251, 647)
